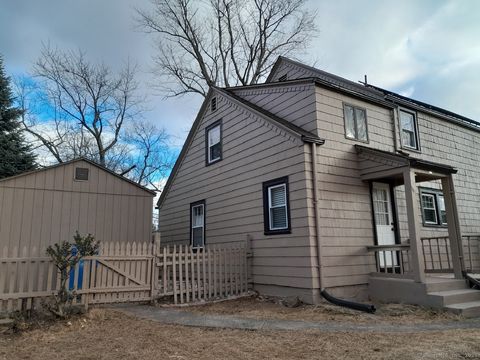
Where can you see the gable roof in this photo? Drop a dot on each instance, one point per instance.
(272, 118)
(93, 163)
(376, 94)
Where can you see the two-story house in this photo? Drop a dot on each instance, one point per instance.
(338, 185)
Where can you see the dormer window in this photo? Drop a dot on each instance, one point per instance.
(213, 142)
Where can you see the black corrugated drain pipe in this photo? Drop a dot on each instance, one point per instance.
(368, 308)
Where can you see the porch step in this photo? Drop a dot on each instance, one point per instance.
(450, 297)
(439, 284)
(467, 309)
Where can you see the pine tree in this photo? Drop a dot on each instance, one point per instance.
(15, 154)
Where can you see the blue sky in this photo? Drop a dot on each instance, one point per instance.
(429, 49)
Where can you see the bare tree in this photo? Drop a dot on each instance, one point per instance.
(93, 102)
(151, 157)
(223, 42)
(81, 109)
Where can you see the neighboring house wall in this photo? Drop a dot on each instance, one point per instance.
(254, 151)
(48, 206)
(292, 102)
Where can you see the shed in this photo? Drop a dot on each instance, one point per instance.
(45, 206)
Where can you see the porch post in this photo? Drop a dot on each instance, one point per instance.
(454, 233)
(411, 195)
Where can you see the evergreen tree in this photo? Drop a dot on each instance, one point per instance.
(15, 154)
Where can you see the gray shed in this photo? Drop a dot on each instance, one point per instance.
(48, 205)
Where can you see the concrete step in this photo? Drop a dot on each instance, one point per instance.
(449, 297)
(468, 309)
(439, 284)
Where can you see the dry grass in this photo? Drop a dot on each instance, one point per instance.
(105, 334)
(263, 308)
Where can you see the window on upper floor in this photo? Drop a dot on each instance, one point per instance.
(355, 123)
(433, 207)
(276, 208)
(197, 221)
(213, 143)
(409, 130)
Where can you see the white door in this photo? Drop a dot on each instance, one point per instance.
(382, 209)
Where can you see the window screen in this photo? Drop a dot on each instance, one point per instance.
(276, 206)
(198, 224)
(214, 143)
(355, 123)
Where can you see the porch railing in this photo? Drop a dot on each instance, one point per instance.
(392, 260)
(438, 258)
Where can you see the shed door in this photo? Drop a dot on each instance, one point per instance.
(382, 209)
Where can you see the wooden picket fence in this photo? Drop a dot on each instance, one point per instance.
(136, 272)
(192, 275)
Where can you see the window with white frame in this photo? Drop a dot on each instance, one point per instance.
(433, 207)
(408, 129)
(213, 142)
(197, 234)
(355, 123)
(276, 206)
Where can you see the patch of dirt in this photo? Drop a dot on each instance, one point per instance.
(106, 334)
(268, 308)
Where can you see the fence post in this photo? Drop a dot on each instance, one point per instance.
(249, 263)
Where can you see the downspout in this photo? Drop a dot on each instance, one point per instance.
(317, 212)
(323, 292)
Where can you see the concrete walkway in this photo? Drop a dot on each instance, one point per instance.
(186, 318)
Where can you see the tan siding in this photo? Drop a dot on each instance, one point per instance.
(48, 206)
(254, 151)
(295, 103)
(345, 206)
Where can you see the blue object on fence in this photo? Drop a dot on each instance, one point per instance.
(72, 273)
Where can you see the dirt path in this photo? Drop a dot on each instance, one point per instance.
(187, 318)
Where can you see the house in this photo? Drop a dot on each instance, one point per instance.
(49, 205)
(339, 185)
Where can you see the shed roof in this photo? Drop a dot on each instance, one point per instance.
(93, 163)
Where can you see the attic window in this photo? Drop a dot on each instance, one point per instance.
(81, 174)
(283, 78)
(213, 105)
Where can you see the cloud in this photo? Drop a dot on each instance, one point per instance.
(426, 49)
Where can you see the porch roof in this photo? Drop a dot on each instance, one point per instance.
(378, 164)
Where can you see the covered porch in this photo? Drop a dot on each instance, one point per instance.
(405, 269)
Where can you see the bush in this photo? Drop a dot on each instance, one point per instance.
(65, 256)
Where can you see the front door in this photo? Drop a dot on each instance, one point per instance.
(382, 209)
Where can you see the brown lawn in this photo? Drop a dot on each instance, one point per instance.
(106, 334)
(265, 308)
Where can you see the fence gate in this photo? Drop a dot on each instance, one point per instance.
(121, 273)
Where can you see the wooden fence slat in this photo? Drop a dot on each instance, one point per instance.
(174, 266)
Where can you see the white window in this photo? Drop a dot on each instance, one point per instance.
(408, 130)
(198, 225)
(429, 209)
(355, 123)
(214, 143)
(276, 209)
(433, 207)
(277, 205)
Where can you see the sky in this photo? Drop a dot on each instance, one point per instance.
(428, 50)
